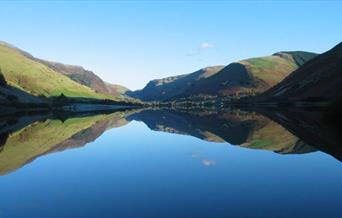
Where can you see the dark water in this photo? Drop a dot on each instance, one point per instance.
(193, 164)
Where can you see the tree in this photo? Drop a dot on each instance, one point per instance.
(2, 79)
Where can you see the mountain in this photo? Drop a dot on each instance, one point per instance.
(244, 78)
(38, 79)
(84, 77)
(167, 88)
(251, 76)
(318, 80)
(77, 74)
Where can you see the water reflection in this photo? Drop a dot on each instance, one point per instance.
(24, 138)
(236, 127)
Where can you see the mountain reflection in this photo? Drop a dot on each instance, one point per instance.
(248, 130)
(24, 138)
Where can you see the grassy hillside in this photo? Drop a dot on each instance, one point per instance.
(38, 79)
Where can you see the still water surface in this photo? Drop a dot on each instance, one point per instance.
(188, 166)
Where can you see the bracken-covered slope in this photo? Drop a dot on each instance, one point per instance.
(116, 89)
(318, 80)
(38, 79)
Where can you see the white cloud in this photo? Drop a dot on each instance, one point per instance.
(205, 162)
(206, 45)
(208, 163)
(200, 48)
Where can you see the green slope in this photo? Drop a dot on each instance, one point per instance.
(38, 79)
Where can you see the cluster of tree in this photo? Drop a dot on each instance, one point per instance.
(2, 79)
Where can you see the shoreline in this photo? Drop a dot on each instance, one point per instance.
(72, 108)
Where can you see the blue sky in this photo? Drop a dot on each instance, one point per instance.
(132, 42)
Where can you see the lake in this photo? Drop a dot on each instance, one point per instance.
(165, 163)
